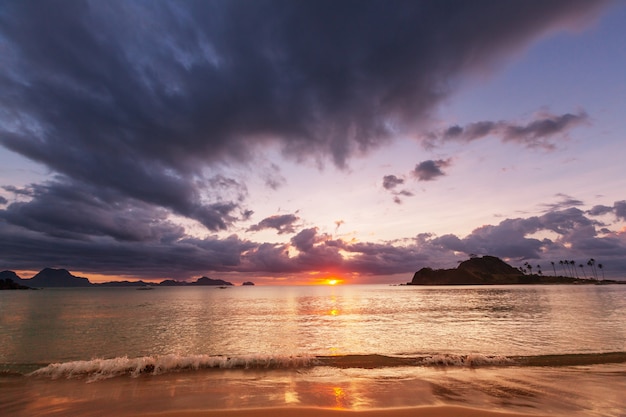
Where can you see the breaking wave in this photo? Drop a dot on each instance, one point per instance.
(98, 369)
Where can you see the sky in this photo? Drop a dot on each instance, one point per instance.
(288, 142)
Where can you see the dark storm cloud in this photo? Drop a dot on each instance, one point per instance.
(17, 191)
(429, 170)
(75, 211)
(228, 187)
(283, 223)
(141, 97)
(3, 200)
(184, 258)
(537, 133)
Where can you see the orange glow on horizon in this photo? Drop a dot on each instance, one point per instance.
(332, 281)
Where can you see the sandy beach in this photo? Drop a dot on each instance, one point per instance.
(326, 392)
(430, 411)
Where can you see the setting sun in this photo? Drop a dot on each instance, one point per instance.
(333, 281)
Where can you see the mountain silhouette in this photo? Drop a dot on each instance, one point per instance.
(486, 270)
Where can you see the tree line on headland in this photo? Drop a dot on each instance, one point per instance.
(569, 269)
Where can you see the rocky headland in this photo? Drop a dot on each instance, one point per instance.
(488, 270)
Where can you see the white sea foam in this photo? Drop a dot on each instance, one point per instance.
(97, 369)
(470, 360)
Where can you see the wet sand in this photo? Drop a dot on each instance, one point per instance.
(328, 392)
(432, 411)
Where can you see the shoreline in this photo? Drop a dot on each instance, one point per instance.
(419, 411)
(329, 392)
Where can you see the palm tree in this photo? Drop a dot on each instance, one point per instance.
(582, 267)
(573, 264)
(601, 269)
(553, 268)
(539, 270)
(529, 267)
(591, 264)
(562, 263)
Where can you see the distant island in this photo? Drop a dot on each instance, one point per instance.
(490, 270)
(199, 281)
(9, 284)
(49, 278)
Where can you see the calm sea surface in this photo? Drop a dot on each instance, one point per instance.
(60, 325)
(375, 333)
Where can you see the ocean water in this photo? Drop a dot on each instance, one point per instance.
(557, 349)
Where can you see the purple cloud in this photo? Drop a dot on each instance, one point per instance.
(537, 133)
(79, 212)
(282, 223)
(166, 252)
(306, 239)
(566, 201)
(391, 181)
(429, 170)
(620, 209)
(599, 210)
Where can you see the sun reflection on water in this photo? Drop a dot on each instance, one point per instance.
(340, 398)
